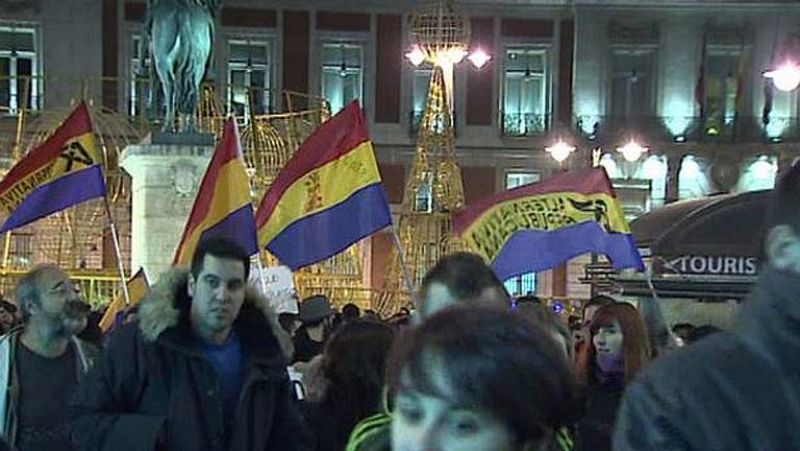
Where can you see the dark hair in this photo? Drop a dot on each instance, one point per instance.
(354, 363)
(545, 316)
(784, 205)
(698, 333)
(287, 321)
(465, 275)
(9, 307)
(529, 299)
(492, 359)
(351, 311)
(220, 248)
(635, 342)
(599, 300)
(683, 327)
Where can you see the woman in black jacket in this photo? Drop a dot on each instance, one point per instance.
(618, 347)
(353, 366)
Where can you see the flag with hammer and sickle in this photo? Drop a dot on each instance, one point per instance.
(63, 171)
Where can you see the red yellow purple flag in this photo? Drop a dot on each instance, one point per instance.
(222, 208)
(327, 197)
(63, 171)
(539, 226)
(138, 287)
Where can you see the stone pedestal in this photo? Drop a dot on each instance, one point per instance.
(166, 171)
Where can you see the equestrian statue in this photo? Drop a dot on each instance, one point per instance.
(181, 36)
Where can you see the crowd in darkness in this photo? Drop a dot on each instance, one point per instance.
(204, 362)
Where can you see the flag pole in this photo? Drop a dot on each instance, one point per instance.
(261, 280)
(115, 239)
(406, 276)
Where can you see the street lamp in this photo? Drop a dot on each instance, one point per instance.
(786, 77)
(560, 151)
(440, 35)
(632, 151)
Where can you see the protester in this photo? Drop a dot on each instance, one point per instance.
(732, 391)
(353, 367)
(351, 312)
(617, 349)
(479, 379)
(461, 279)
(532, 307)
(316, 316)
(589, 310)
(8, 319)
(203, 368)
(682, 332)
(42, 362)
(701, 332)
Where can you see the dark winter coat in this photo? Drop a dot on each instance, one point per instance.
(593, 431)
(154, 386)
(731, 392)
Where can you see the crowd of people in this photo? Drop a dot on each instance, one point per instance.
(205, 363)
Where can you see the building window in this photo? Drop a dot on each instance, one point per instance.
(420, 85)
(526, 283)
(19, 74)
(692, 179)
(607, 161)
(521, 285)
(342, 74)
(515, 179)
(525, 91)
(722, 81)
(654, 168)
(759, 175)
(141, 79)
(632, 82)
(249, 76)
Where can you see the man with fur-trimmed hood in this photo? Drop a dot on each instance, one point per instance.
(204, 368)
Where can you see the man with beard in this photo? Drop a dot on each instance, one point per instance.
(41, 363)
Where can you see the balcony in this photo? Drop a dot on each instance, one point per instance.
(524, 124)
(616, 129)
(415, 123)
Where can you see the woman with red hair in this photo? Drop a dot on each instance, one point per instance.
(617, 349)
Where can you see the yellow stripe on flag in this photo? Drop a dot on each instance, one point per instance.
(232, 188)
(322, 188)
(138, 287)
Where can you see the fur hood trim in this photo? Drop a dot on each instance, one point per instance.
(157, 311)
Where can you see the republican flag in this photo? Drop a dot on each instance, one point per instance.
(138, 287)
(327, 197)
(540, 226)
(63, 171)
(222, 208)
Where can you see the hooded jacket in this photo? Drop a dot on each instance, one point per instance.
(154, 387)
(731, 392)
(85, 356)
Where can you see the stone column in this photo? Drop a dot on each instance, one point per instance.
(166, 170)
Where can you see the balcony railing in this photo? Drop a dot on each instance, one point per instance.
(415, 122)
(524, 124)
(617, 129)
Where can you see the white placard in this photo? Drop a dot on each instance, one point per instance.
(277, 284)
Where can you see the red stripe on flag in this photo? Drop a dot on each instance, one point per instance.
(77, 123)
(336, 137)
(586, 181)
(227, 149)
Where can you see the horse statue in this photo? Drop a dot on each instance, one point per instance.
(181, 36)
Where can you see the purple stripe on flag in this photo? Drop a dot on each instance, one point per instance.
(62, 193)
(324, 234)
(538, 250)
(238, 227)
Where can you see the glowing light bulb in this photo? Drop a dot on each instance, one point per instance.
(786, 77)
